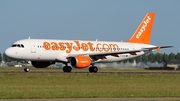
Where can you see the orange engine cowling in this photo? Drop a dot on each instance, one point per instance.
(80, 61)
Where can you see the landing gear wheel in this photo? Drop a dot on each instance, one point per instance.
(26, 69)
(93, 69)
(67, 69)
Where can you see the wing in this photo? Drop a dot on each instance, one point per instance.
(102, 55)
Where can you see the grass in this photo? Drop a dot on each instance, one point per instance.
(17, 85)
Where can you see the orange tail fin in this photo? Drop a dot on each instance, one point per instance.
(143, 32)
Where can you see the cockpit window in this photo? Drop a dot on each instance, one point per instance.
(18, 45)
(22, 45)
(14, 45)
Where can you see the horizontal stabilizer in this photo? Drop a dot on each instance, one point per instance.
(158, 48)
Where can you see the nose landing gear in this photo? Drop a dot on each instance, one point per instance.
(26, 69)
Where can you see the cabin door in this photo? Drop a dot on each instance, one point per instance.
(33, 47)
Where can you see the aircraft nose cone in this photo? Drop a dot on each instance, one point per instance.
(8, 52)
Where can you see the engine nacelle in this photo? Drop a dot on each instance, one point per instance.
(41, 64)
(80, 61)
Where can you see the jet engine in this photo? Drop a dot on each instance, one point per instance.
(80, 61)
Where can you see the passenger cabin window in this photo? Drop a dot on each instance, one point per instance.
(18, 45)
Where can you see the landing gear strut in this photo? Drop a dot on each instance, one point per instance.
(27, 69)
(93, 69)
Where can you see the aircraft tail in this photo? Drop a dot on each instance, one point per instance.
(143, 32)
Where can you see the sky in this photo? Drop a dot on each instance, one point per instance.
(111, 20)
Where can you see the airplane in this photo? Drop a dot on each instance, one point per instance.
(84, 54)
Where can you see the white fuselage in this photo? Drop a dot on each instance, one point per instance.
(59, 50)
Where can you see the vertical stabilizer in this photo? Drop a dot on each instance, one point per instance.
(143, 32)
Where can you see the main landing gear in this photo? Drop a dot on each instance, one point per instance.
(92, 69)
(67, 69)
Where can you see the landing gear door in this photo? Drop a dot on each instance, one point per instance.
(33, 47)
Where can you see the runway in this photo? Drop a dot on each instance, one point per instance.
(83, 72)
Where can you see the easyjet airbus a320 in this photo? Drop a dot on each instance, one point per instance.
(84, 54)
